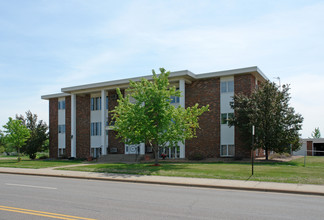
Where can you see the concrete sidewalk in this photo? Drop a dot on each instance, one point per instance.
(179, 181)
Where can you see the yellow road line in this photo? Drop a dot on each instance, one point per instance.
(40, 213)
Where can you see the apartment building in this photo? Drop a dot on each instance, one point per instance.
(79, 115)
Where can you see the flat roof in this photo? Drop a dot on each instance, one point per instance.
(55, 95)
(314, 140)
(174, 76)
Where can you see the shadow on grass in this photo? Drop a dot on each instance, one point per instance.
(129, 169)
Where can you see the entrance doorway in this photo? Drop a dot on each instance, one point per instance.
(318, 149)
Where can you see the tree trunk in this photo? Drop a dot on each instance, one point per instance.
(266, 151)
(156, 154)
(18, 154)
(156, 162)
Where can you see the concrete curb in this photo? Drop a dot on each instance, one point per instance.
(177, 183)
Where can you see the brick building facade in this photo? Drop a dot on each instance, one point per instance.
(78, 117)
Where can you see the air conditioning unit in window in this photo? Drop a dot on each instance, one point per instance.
(113, 150)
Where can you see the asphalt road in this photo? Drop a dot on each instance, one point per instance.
(32, 197)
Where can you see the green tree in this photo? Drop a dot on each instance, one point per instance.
(16, 134)
(2, 143)
(151, 118)
(38, 134)
(316, 133)
(276, 123)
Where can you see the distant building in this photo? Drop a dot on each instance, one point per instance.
(313, 147)
(79, 118)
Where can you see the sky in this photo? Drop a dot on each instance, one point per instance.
(47, 45)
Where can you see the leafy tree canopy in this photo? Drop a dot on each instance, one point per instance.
(38, 134)
(4, 145)
(2, 142)
(276, 124)
(16, 134)
(150, 118)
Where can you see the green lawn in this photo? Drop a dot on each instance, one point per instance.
(289, 172)
(34, 164)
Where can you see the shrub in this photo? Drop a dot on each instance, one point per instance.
(43, 157)
(279, 155)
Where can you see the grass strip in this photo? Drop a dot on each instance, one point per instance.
(284, 172)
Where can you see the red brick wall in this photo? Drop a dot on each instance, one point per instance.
(243, 84)
(114, 142)
(309, 148)
(68, 126)
(205, 92)
(260, 153)
(83, 126)
(53, 128)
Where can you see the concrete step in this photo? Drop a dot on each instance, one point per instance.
(120, 158)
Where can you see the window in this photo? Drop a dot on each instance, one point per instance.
(225, 117)
(223, 150)
(227, 86)
(95, 103)
(227, 150)
(223, 87)
(61, 129)
(230, 86)
(231, 150)
(175, 99)
(95, 129)
(61, 152)
(61, 104)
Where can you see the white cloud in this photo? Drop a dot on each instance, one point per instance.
(271, 39)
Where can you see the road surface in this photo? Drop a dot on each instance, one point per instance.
(33, 197)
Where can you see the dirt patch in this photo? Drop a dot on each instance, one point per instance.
(279, 159)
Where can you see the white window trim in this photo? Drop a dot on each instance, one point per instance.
(95, 129)
(226, 82)
(227, 147)
(95, 103)
(227, 117)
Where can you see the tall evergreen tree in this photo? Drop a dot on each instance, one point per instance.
(276, 123)
(316, 133)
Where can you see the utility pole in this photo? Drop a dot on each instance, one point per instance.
(252, 151)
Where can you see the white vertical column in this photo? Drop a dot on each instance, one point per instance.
(73, 125)
(182, 89)
(103, 122)
(142, 148)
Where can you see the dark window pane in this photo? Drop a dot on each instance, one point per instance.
(230, 85)
(223, 87)
(223, 118)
